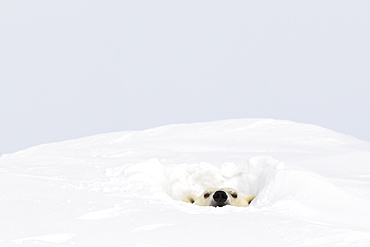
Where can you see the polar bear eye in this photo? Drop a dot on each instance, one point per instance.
(234, 195)
(206, 195)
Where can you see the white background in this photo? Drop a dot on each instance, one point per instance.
(75, 68)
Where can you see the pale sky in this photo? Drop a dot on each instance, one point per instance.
(73, 68)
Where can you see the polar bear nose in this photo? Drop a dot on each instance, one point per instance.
(220, 197)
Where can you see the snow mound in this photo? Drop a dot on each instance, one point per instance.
(311, 184)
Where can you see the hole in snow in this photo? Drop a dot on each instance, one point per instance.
(153, 179)
(289, 189)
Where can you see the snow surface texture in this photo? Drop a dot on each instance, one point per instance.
(125, 189)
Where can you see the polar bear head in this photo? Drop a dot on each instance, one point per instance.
(219, 197)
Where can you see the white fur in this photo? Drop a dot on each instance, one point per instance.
(206, 198)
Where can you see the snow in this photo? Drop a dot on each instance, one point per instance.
(125, 188)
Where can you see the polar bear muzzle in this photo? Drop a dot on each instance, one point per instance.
(220, 198)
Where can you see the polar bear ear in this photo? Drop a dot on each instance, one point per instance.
(250, 198)
(189, 198)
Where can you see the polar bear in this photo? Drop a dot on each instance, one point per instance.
(219, 197)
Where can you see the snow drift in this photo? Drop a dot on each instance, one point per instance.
(126, 189)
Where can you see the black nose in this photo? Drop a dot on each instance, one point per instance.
(220, 197)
